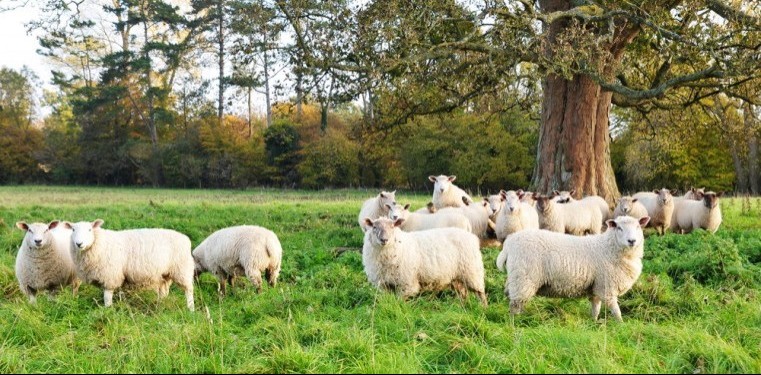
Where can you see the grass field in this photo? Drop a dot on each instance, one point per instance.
(695, 309)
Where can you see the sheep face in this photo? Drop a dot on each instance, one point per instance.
(387, 198)
(37, 234)
(512, 204)
(665, 196)
(711, 199)
(628, 230)
(398, 211)
(83, 233)
(563, 196)
(383, 230)
(625, 204)
(544, 204)
(496, 203)
(442, 183)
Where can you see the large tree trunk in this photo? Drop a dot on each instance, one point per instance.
(574, 142)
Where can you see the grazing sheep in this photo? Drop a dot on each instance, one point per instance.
(43, 262)
(447, 194)
(690, 214)
(515, 216)
(428, 209)
(140, 258)
(660, 208)
(601, 267)
(376, 207)
(477, 213)
(429, 260)
(245, 249)
(414, 221)
(573, 217)
(628, 206)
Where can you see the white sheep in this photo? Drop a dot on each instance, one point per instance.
(43, 262)
(496, 203)
(477, 213)
(592, 200)
(691, 214)
(515, 216)
(429, 260)
(246, 249)
(140, 258)
(414, 221)
(447, 194)
(695, 194)
(628, 206)
(573, 217)
(660, 207)
(376, 207)
(600, 267)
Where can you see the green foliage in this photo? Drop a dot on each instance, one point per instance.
(325, 317)
(281, 142)
(331, 161)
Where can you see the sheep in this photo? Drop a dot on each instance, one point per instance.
(594, 200)
(496, 203)
(660, 207)
(601, 267)
(693, 194)
(515, 216)
(414, 221)
(428, 209)
(628, 206)
(43, 262)
(572, 217)
(244, 249)
(690, 214)
(376, 207)
(477, 213)
(141, 258)
(447, 194)
(429, 260)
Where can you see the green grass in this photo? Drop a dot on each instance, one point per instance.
(696, 307)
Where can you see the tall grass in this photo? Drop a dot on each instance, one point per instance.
(696, 306)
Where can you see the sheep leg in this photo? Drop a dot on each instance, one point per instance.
(108, 297)
(256, 279)
(596, 304)
(614, 309)
(460, 289)
(31, 293)
(75, 287)
(272, 274)
(482, 296)
(163, 290)
(221, 283)
(186, 283)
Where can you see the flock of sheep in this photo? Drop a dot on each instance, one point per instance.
(436, 247)
(545, 251)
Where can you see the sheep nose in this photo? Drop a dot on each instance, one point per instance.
(632, 242)
(383, 241)
(37, 242)
(79, 244)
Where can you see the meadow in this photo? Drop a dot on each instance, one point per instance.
(695, 309)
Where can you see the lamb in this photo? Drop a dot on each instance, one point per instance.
(628, 206)
(477, 213)
(601, 267)
(430, 260)
(573, 217)
(414, 221)
(515, 216)
(447, 194)
(244, 249)
(660, 208)
(593, 200)
(141, 258)
(690, 214)
(43, 262)
(376, 207)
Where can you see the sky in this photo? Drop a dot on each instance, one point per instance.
(17, 48)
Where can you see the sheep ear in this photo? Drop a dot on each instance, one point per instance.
(407, 206)
(503, 194)
(555, 192)
(673, 191)
(452, 178)
(97, 223)
(398, 222)
(67, 225)
(432, 178)
(22, 225)
(368, 222)
(520, 191)
(611, 223)
(657, 191)
(699, 195)
(535, 197)
(53, 224)
(389, 206)
(392, 193)
(521, 194)
(382, 195)
(643, 221)
(634, 199)
(572, 192)
(720, 194)
(466, 201)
